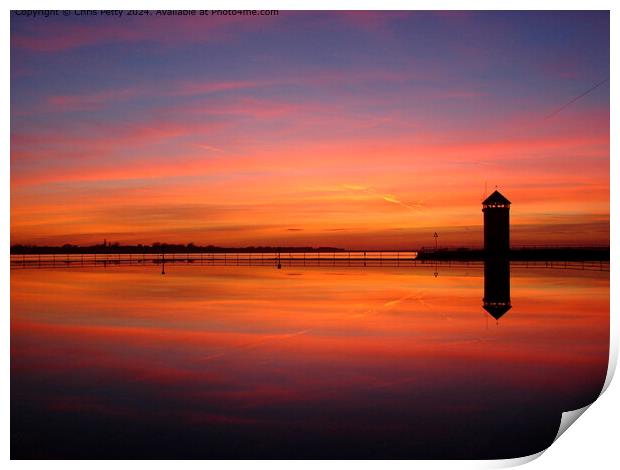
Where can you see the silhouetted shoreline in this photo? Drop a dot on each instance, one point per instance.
(451, 254)
(159, 248)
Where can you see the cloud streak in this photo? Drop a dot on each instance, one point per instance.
(307, 128)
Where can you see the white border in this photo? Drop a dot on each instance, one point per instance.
(593, 442)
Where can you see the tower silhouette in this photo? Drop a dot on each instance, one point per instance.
(496, 209)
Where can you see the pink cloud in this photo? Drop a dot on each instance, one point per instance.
(90, 101)
(372, 21)
(97, 99)
(57, 35)
(199, 88)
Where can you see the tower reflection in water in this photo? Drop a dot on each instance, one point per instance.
(496, 298)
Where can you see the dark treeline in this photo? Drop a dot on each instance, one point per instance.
(106, 248)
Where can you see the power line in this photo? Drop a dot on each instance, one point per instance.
(575, 99)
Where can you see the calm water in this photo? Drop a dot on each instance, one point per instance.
(303, 362)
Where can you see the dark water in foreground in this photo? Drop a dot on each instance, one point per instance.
(303, 362)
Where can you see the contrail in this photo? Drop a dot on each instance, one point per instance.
(575, 99)
(392, 199)
(414, 206)
(254, 344)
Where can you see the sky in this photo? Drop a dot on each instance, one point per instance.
(350, 129)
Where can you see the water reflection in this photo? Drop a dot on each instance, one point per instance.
(496, 298)
(301, 362)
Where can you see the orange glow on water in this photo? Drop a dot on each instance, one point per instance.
(236, 342)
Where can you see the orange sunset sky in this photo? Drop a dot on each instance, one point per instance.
(348, 129)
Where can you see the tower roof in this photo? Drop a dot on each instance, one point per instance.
(497, 310)
(496, 198)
